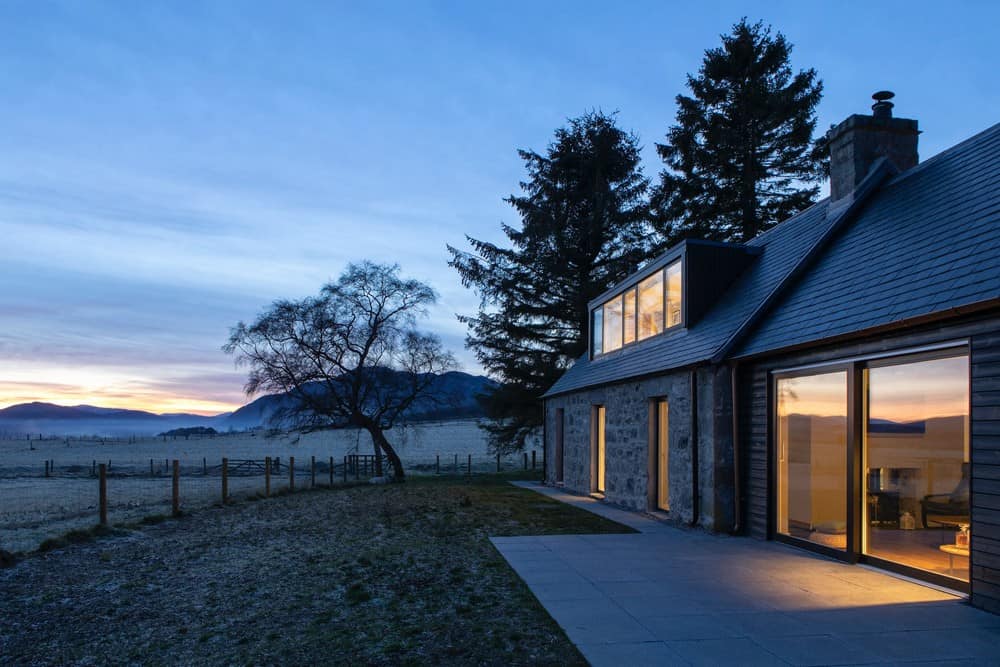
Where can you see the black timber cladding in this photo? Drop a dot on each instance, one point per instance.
(710, 268)
(982, 333)
(927, 243)
(985, 485)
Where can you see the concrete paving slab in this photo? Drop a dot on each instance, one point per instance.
(727, 651)
(640, 654)
(672, 596)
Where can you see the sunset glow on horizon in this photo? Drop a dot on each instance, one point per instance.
(188, 391)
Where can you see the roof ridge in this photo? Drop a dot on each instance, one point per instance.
(876, 176)
(947, 152)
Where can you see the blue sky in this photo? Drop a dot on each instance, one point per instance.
(167, 169)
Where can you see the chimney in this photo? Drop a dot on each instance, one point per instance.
(860, 140)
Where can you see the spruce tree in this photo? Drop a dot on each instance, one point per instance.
(584, 226)
(741, 157)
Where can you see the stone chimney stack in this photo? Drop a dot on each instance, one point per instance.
(859, 141)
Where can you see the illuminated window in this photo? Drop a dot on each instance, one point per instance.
(812, 458)
(674, 316)
(629, 316)
(613, 324)
(651, 306)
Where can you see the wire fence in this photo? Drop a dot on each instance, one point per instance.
(52, 498)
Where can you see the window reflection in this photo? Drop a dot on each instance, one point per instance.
(812, 458)
(917, 465)
(597, 331)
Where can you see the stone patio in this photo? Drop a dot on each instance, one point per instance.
(672, 596)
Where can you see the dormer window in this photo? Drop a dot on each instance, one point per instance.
(643, 310)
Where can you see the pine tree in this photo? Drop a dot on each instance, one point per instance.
(741, 157)
(584, 226)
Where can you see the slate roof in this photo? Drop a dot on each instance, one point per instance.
(926, 243)
(783, 246)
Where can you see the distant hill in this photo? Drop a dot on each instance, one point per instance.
(456, 393)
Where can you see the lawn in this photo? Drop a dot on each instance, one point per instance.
(399, 574)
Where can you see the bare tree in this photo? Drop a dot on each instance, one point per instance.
(350, 357)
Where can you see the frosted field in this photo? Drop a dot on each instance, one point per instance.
(418, 443)
(33, 508)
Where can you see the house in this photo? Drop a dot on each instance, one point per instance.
(833, 383)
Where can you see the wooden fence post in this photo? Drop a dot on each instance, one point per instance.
(498, 461)
(456, 464)
(526, 460)
(357, 468)
(345, 468)
(331, 471)
(312, 473)
(46, 467)
(291, 473)
(93, 468)
(470, 465)
(102, 493)
(533, 453)
(177, 488)
(267, 476)
(437, 465)
(150, 467)
(225, 480)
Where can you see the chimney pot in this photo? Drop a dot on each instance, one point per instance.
(883, 107)
(858, 142)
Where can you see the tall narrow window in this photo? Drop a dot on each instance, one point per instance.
(812, 458)
(662, 456)
(629, 319)
(651, 306)
(613, 324)
(916, 454)
(597, 438)
(674, 297)
(597, 332)
(560, 425)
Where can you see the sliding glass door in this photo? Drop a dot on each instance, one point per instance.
(872, 461)
(916, 462)
(812, 458)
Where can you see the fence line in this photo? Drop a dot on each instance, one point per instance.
(56, 497)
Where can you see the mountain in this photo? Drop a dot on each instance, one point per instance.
(454, 397)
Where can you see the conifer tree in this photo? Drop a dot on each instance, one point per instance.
(741, 157)
(584, 226)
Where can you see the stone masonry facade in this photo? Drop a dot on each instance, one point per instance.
(630, 443)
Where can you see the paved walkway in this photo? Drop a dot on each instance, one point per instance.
(672, 596)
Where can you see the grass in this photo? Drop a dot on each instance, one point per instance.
(400, 574)
(427, 586)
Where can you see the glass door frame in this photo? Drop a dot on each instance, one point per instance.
(856, 490)
(598, 448)
(849, 554)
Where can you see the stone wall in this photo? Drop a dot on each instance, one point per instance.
(629, 444)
